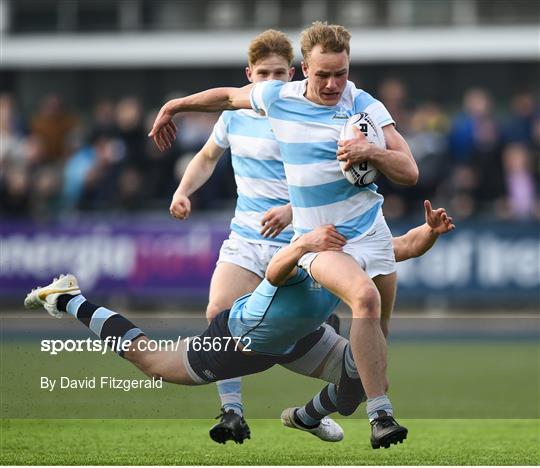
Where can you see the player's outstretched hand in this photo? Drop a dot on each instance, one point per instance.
(323, 238)
(354, 151)
(438, 219)
(180, 206)
(275, 220)
(164, 129)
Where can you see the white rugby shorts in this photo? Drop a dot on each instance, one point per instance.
(374, 252)
(249, 255)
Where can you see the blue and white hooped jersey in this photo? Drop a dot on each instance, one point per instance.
(258, 171)
(307, 134)
(272, 319)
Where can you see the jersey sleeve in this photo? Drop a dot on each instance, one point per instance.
(364, 102)
(264, 94)
(300, 275)
(220, 134)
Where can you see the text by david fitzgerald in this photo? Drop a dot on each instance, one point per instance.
(103, 382)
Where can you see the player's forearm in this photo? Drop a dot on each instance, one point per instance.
(211, 100)
(197, 173)
(398, 166)
(419, 240)
(283, 263)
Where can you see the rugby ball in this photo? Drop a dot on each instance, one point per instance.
(364, 173)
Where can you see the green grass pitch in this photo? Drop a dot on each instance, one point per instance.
(186, 442)
(435, 387)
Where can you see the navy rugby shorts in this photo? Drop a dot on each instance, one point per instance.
(228, 361)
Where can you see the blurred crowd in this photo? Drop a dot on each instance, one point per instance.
(480, 160)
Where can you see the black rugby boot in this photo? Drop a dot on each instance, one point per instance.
(385, 431)
(231, 427)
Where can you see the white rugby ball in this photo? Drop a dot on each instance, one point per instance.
(364, 173)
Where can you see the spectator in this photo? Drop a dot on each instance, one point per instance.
(519, 126)
(520, 185)
(393, 94)
(136, 164)
(45, 195)
(53, 125)
(15, 193)
(130, 196)
(427, 140)
(458, 192)
(75, 173)
(464, 133)
(104, 120)
(100, 186)
(11, 135)
(486, 162)
(535, 149)
(14, 178)
(132, 133)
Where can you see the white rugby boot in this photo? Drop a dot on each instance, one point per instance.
(48, 295)
(327, 430)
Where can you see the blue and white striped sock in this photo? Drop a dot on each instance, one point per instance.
(230, 394)
(376, 404)
(106, 324)
(321, 405)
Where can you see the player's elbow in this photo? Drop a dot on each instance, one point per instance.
(275, 275)
(238, 98)
(273, 278)
(232, 104)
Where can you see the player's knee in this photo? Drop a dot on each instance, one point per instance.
(366, 303)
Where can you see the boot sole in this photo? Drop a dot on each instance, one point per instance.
(223, 434)
(394, 438)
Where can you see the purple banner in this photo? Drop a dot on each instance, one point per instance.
(139, 258)
(167, 260)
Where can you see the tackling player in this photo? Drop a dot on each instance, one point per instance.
(306, 117)
(279, 322)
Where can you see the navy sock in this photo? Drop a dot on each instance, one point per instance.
(62, 302)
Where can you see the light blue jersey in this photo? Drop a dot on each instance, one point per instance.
(273, 318)
(258, 171)
(307, 134)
